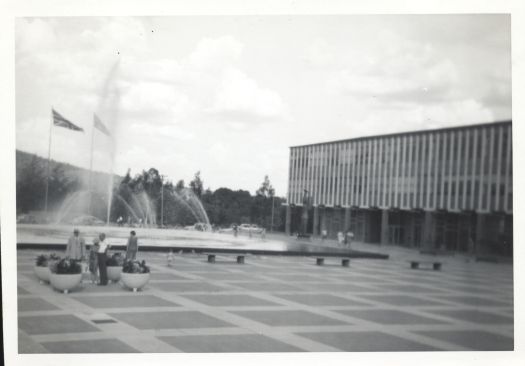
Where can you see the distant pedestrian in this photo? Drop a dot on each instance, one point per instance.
(102, 258)
(76, 247)
(235, 230)
(340, 238)
(263, 234)
(324, 234)
(132, 247)
(170, 258)
(349, 237)
(93, 263)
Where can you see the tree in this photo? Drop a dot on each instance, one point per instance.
(30, 186)
(180, 185)
(266, 189)
(196, 184)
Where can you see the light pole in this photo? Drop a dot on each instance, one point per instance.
(271, 226)
(161, 201)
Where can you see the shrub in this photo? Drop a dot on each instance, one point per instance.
(116, 260)
(43, 260)
(66, 266)
(135, 267)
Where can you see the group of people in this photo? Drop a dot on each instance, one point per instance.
(97, 256)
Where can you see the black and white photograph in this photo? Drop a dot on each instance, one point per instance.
(262, 183)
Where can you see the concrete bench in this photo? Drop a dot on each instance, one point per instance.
(345, 262)
(211, 257)
(436, 266)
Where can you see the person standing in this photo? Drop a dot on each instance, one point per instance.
(132, 247)
(101, 259)
(76, 247)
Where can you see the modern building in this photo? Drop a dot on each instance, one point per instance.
(444, 189)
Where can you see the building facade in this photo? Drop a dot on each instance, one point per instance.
(446, 189)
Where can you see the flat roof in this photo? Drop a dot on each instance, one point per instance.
(419, 132)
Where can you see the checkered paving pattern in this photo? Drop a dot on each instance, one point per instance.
(273, 304)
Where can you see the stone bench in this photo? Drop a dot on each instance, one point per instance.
(212, 256)
(345, 262)
(415, 264)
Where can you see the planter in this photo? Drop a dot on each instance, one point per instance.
(65, 282)
(114, 273)
(42, 273)
(134, 281)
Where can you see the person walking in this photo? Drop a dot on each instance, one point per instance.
(93, 264)
(76, 247)
(101, 259)
(132, 247)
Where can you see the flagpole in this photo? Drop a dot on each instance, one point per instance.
(91, 166)
(48, 161)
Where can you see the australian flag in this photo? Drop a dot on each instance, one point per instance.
(59, 120)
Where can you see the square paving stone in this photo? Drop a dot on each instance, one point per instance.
(187, 287)
(321, 300)
(124, 301)
(89, 346)
(35, 304)
(226, 276)
(475, 316)
(21, 291)
(383, 316)
(472, 300)
(230, 300)
(229, 343)
(289, 318)
(339, 287)
(266, 286)
(410, 288)
(51, 324)
(166, 276)
(366, 342)
(402, 300)
(170, 320)
(475, 339)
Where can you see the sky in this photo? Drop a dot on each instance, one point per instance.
(228, 95)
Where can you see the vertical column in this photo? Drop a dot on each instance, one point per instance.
(429, 169)
(460, 157)
(357, 166)
(421, 170)
(380, 169)
(450, 170)
(443, 159)
(499, 164)
(492, 138)
(482, 169)
(479, 246)
(428, 232)
(416, 168)
(402, 172)
(385, 172)
(390, 179)
(316, 221)
(474, 178)
(408, 187)
(288, 220)
(384, 227)
(290, 164)
(466, 166)
(369, 162)
(508, 177)
(346, 225)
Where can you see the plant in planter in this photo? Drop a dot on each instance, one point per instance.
(135, 274)
(114, 266)
(66, 274)
(41, 268)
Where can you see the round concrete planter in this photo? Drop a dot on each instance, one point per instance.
(134, 281)
(114, 273)
(42, 273)
(65, 282)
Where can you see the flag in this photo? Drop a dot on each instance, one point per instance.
(59, 120)
(99, 125)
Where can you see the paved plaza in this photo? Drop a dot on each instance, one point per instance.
(274, 304)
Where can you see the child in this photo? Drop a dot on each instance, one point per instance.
(170, 258)
(93, 265)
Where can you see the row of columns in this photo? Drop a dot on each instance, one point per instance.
(428, 232)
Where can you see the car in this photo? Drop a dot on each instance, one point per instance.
(199, 226)
(87, 220)
(26, 219)
(250, 228)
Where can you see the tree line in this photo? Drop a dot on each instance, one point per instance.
(169, 202)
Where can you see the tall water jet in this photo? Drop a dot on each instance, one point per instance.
(108, 110)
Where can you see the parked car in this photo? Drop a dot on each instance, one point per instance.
(87, 220)
(247, 228)
(199, 226)
(26, 219)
